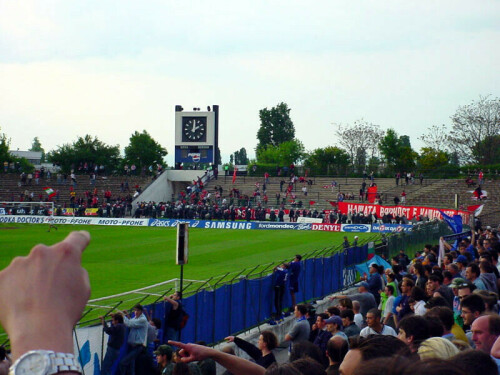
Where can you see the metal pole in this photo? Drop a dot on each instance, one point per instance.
(182, 277)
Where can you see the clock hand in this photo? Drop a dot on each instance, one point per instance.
(193, 129)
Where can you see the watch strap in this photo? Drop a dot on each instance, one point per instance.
(59, 362)
(64, 362)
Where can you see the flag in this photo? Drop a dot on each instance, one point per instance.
(333, 203)
(478, 193)
(455, 222)
(441, 251)
(372, 192)
(49, 191)
(234, 174)
(476, 209)
(312, 203)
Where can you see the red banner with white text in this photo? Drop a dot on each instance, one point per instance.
(409, 211)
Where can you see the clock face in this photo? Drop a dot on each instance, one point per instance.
(194, 129)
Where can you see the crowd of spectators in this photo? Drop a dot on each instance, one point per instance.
(423, 315)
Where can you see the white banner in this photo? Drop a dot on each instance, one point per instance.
(25, 219)
(87, 343)
(302, 219)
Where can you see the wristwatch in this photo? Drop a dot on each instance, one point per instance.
(44, 362)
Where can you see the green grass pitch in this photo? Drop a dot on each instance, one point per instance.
(120, 259)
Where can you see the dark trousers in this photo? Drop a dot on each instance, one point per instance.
(279, 292)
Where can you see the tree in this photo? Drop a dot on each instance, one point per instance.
(4, 148)
(37, 147)
(431, 159)
(276, 126)
(143, 150)
(436, 137)
(487, 151)
(397, 151)
(284, 154)
(472, 125)
(240, 157)
(85, 150)
(328, 160)
(360, 140)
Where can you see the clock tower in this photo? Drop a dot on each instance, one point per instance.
(196, 135)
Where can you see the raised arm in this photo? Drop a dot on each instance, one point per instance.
(43, 296)
(236, 365)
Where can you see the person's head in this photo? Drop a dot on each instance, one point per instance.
(390, 276)
(308, 366)
(155, 322)
(117, 318)
(363, 287)
(347, 317)
(333, 310)
(320, 320)
(406, 286)
(304, 349)
(300, 310)
(163, 355)
(282, 369)
(373, 317)
(437, 347)
(475, 362)
(334, 324)
(138, 309)
(419, 269)
(375, 346)
(336, 349)
(417, 293)
(267, 340)
(413, 330)
(436, 279)
(389, 290)
(436, 301)
(471, 307)
(373, 268)
(485, 330)
(465, 289)
(344, 304)
(490, 298)
(298, 258)
(444, 315)
(176, 296)
(472, 271)
(356, 307)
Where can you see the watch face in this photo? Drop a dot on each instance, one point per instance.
(194, 129)
(33, 363)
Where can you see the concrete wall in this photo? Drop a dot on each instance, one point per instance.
(168, 183)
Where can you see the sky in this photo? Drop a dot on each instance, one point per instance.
(109, 68)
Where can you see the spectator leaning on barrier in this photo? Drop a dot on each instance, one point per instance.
(136, 338)
(293, 278)
(116, 333)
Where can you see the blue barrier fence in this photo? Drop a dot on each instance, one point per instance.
(215, 314)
